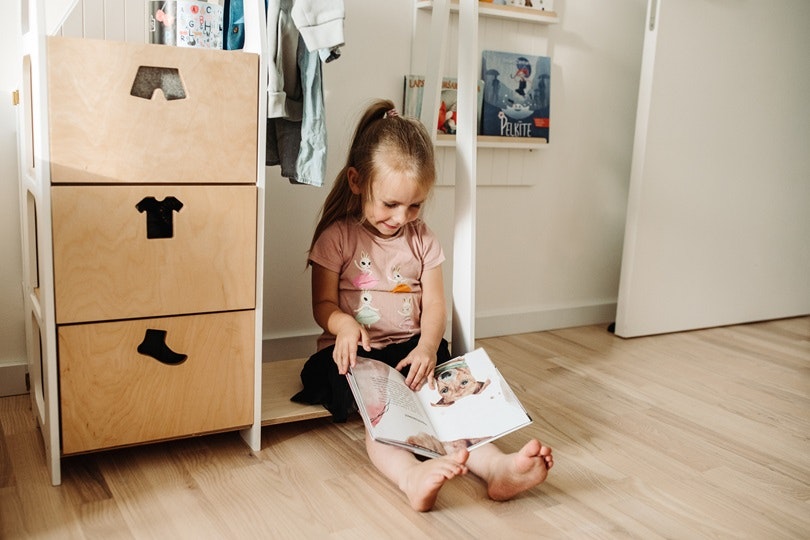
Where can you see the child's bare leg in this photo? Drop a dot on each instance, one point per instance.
(507, 475)
(419, 480)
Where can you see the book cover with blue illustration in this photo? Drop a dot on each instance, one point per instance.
(517, 90)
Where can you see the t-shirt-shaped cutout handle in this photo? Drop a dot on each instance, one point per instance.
(149, 79)
(159, 215)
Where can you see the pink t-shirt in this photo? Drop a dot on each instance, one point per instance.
(380, 278)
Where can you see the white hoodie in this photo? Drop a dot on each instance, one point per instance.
(320, 23)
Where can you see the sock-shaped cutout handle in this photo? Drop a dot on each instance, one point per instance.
(154, 345)
(152, 78)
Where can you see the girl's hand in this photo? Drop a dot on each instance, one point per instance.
(422, 362)
(326, 309)
(347, 341)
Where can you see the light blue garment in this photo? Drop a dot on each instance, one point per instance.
(311, 162)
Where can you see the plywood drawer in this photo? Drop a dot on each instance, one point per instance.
(107, 267)
(112, 395)
(102, 130)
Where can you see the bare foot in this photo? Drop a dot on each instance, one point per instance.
(424, 480)
(515, 473)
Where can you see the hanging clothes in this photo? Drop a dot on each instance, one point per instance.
(300, 34)
(297, 142)
(233, 24)
(321, 25)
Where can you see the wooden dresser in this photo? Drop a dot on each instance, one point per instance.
(141, 195)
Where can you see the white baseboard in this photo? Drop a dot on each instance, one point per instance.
(506, 323)
(12, 379)
(486, 325)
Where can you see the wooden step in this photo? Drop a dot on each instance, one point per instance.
(281, 379)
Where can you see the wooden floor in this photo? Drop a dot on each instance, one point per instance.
(702, 434)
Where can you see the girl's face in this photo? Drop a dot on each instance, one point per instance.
(396, 199)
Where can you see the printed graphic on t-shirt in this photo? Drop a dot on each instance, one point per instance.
(366, 314)
(399, 281)
(395, 311)
(406, 311)
(366, 279)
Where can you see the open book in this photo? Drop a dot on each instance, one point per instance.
(471, 405)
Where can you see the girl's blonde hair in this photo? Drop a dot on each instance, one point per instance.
(402, 142)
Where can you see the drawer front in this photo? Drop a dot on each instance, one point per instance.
(124, 113)
(147, 251)
(113, 395)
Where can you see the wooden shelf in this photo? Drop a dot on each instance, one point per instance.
(281, 379)
(488, 141)
(517, 13)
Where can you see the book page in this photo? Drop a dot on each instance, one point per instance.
(472, 402)
(390, 409)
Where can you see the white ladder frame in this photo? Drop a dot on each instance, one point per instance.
(464, 232)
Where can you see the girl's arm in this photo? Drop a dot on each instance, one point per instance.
(326, 310)
(433, 321)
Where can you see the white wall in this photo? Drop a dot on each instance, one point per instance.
(12, 329)
(549, 248)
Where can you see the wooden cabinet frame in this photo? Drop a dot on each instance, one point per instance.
(36, 224)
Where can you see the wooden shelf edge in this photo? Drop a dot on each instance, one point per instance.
(280, 381)
(488, 141)
(518, 13)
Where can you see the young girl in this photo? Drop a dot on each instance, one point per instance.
(377, 285)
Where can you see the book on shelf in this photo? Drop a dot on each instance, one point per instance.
(471, 405)
(184, 23)
(448, 101)
(516, 98)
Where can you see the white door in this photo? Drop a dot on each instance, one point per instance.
(718, 220)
